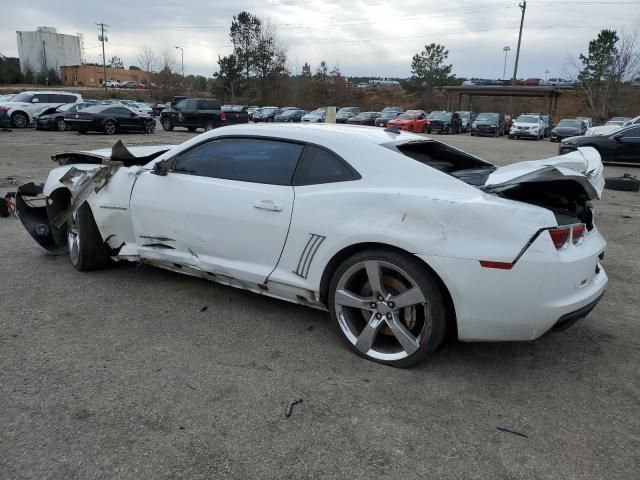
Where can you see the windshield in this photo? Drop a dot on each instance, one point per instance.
(463, 114)
(487, 117)
(389, 114)
(317, 112)
(23, 97)
(347, 110)
(440, 116)
(527, 119)
(406, 116)
(570, 123)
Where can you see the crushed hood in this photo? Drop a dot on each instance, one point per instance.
(584, 166)
(129, 156)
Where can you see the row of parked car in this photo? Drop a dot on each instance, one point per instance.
(128, 84)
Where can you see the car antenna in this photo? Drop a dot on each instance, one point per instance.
(393, 129)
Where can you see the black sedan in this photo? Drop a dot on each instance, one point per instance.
(384, 118)
(345, 113)
(364, 118)
(52, 118)
(622, 146)
(567, 128)
(109, 119)
(290, 116)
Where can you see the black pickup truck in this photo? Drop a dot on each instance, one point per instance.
(194, 113)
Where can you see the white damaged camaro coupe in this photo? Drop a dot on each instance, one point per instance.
(403, 239)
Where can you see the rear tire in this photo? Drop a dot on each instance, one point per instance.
(192, 129)
(110, 127)
(388, 307)
(87, 250)
(60, 125)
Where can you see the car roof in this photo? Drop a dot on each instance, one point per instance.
(311, 132)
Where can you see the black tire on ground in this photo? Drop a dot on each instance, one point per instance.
(60, 125)
(109, 127)
(92, 252)
(511, 137)
(192, 129)
(434, 320)
(20, 120)
(167, 124)
(472, 134)
(150, 127)
(625, 184)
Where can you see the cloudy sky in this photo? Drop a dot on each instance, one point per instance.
(361, 37)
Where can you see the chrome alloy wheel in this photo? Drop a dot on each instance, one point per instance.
(73, 238)
(382, 311)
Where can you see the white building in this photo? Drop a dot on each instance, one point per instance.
(46, 48)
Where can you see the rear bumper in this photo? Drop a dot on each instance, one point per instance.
(569, 319)
(541, 292)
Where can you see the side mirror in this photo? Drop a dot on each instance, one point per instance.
(35, 100)
(161, 168)
(618, 137)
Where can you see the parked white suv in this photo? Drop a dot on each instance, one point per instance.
(112, 83)
(19, 111)
(527, 126)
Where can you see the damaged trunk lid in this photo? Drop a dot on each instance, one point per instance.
(565, 184)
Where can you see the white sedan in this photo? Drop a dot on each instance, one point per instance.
(403, 239)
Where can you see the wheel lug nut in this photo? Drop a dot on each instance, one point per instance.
(389, 316)
(391, 304)
(378, 316)
(373, 304)
(380, 298)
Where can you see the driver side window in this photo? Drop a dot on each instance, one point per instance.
(242, 159)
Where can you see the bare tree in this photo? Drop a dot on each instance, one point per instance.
(167, 59)
(147, 58)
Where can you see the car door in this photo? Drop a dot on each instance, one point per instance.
(224, 207)
(629, 150)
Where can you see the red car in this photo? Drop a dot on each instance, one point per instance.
(411, 122)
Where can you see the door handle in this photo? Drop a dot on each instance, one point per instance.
(268, 205)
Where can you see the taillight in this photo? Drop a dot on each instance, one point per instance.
(560, 237)
(223, 117)
(577, 233)
(4, 108)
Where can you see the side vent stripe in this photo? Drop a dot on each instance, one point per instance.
(308, 253)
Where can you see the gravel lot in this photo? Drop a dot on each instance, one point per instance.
(120, 374)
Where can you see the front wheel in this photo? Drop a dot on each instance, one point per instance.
(60, 125)
(150, 127)
(20, 120)
(388, 307)
(87, 250)
(167, 125)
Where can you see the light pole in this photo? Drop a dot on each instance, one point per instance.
(506, 51)
(182, 54)
(546, 74)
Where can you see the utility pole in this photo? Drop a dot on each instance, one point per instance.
(182, 55)
(103, 39)
(523, 7)
(504, 70)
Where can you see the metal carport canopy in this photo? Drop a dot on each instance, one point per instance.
(551, 93)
